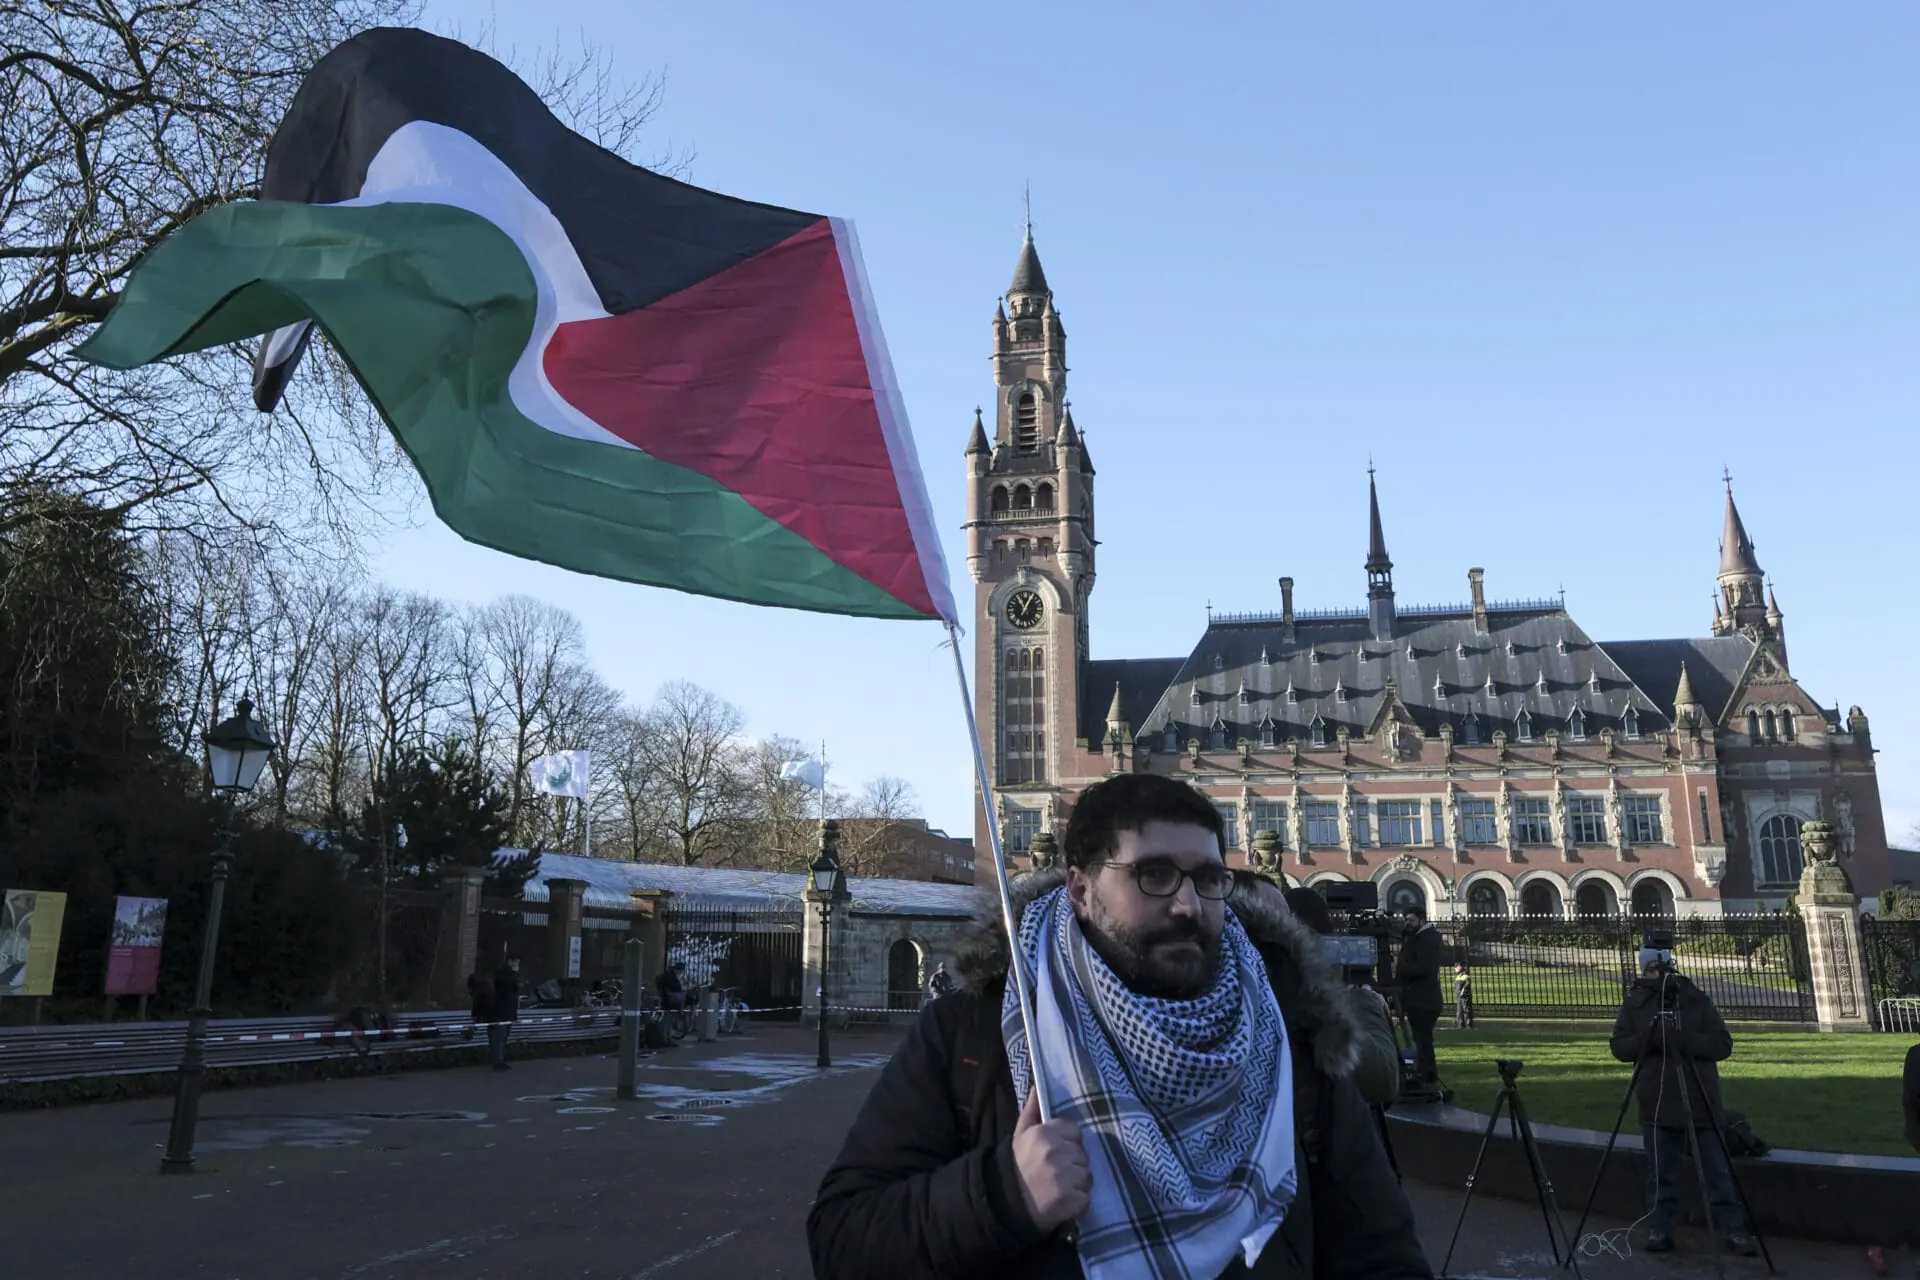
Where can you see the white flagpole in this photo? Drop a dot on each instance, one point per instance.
(1022, 980)
(823, 779)
(586, 812)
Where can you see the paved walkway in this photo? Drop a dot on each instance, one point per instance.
(533, 1172)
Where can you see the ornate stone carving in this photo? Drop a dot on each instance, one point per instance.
(1043, 852)
(1266, 853)
(1406, 864)
(1823, 880)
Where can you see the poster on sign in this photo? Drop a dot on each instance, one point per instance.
(29, 941)
(133, 957)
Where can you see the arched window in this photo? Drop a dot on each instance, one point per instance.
(1022, 498)
(1773, 728)
(1043, 497)
(999, 501)
(1045, 548)
(1632, 724)
(1594, 900)
(1540, 899)
(1780, 860)
(1652, 898)
(1022, 548)
(1523, 728)
(1405, 895)
(1786, 726)
(1577, 725)
(1026, 424)
(1486, 898)
(903, 976)
(1753, 727)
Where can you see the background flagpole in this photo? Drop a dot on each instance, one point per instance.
(1022, 981)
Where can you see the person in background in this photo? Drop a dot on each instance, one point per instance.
(673, 992)
(506, 1009)
(1910, 1095)
(479, 1000)
(941, 982)
(1462, 998)
(1673, 1024)
(1418, 974)
(1377, 1074)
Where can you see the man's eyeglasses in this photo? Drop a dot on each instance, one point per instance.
(1162, 879)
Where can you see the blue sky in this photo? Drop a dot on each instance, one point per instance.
(1549, 269)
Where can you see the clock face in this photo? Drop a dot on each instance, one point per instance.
(1024, 609)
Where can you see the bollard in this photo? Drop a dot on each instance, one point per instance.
(629, 1019)
(706, 1023)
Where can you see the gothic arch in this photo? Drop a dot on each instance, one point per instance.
(1423, 875)
(1611, 880)
(1675, 885)
(1551, 882)
(1508, 895)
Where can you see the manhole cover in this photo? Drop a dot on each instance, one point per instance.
(696, 1118)
(457, 1116)
(701, 1104)
(585, 1111)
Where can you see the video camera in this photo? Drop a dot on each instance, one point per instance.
(1361, 950)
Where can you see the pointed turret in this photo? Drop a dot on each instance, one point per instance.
(1116, 710)
(1069, 435)
(1741, 581)
(978, 444)
(1685, 706)
(1029, 280)
(1379, 568)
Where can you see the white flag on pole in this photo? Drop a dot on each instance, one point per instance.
(564, 773)
(804, 771)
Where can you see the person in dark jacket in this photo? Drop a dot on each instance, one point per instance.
(1910, 1095)
(1673, 1024)
(1377, 1072)
(506, 1010)
(1418, 976)
(1142, 971)
(479, 999)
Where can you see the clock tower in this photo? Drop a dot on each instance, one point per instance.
(1030, 549)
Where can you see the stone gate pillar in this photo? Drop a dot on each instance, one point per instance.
(459, 934)
(1831, 909)
(564, 901)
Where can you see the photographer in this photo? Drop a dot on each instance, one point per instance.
(1673, 1024)
(1418, 974)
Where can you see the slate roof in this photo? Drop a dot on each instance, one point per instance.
(1027, 275)
(1714, 664)
(1324, 659)
(1142, 681)
(609, 884)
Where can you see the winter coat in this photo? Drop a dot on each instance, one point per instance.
(1910, 1095)
(926, 1185)
(480, 995)
(1419, 971)
(1696, 1032)
(1377, 1073)
(506, 994)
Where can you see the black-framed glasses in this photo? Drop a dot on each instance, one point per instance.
(1162, 879)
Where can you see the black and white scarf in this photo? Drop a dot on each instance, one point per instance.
(1186, 1106)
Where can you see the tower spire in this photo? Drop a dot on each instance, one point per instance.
(1742, 584)
(1380, 607)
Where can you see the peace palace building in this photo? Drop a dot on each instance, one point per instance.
(1487, 757)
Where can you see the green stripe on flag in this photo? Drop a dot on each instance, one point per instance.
(432, 306)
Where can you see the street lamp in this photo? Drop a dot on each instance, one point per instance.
(237, 750)
(828, 888)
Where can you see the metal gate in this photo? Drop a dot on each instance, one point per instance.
(754, 950)
(1892, 950)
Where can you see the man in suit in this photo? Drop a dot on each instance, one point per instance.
(1418, 975)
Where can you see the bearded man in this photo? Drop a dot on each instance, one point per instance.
(1198, 1056)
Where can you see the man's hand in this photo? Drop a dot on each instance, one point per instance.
(1054, 1179)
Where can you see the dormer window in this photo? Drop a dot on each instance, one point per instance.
(1265, 661)
(1317, 732)
(1219, 662)
(1266, 731)
(1363, 656)
(1293, 694)
(1541, 684)
(1632, 723)
(1562, 646)
(1245, 696)
(1195, 700)
(1511, 651)
(1472, 734)
(1217, 735)
(1523, 728)
(1439, 686)
(1026, 423)
(1577, 725)
(1411, 653)
(1460, 650)
(1491, 690)
(1593, 680)
(1340, 691)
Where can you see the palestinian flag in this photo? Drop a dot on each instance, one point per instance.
(590, 364)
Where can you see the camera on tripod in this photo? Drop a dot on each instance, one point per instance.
(1358, 951)
(1510, 1068)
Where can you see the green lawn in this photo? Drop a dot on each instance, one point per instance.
(1801, 1089)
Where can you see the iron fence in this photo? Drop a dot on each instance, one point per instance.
(1892, 950)
(1754, 968)
(756, 951)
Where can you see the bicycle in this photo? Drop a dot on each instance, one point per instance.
(730, 1012)
(604, 994)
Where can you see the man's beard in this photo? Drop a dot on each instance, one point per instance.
(1146, 963)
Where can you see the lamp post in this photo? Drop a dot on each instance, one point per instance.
(828, 889)
(237, 750)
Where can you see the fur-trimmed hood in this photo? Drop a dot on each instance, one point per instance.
(1309, 990)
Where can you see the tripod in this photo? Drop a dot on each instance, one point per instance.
(1543, 1185)
(1669, 1026)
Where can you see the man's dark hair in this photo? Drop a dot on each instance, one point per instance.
(1310, 909)
(1416, 911)
(1129, 802)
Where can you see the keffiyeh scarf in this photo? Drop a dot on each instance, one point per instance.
(1186, 1106)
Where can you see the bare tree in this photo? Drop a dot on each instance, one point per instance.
(125, 120)
(525, 649)
(781, 818)
(406, 677)
(883, 821)
(693, 754)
